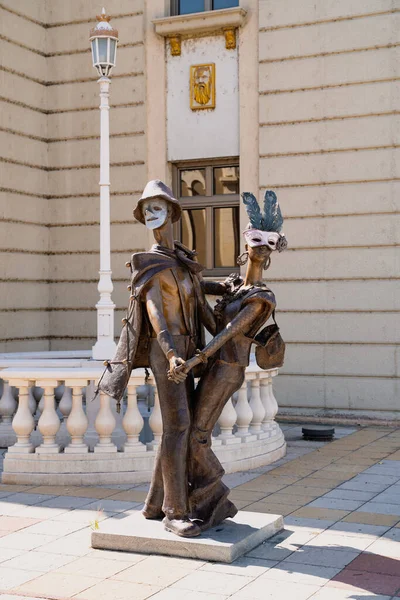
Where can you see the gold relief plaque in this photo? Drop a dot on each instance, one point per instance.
(202, 86)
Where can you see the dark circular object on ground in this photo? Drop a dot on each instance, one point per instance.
(318, 434)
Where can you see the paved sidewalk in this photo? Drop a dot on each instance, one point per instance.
(341, 503)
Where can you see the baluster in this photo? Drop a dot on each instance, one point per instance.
(65, 404)
(37, 393)
(133, 422)
(269, 402)
(226, 421)
(105, 424)
(31, 401)
(23, 422)
(49, 422)
(155, 422)
(8, 404)
(244, 415)
(256, 406)
(77, 421)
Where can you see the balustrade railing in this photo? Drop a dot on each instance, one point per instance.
(51, 412)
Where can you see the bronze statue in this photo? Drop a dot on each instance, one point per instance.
(163, 329)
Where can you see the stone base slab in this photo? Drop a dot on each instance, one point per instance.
(224, 543)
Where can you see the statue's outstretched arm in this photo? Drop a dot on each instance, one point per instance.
(242, 322)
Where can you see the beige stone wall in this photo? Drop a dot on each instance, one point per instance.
(24, 240)
(49, 140)
(329, 139)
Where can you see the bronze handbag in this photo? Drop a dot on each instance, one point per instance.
(270, 350)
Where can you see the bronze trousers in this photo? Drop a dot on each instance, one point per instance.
(208, 494)
(169, 485)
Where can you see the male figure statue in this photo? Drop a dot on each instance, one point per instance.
(162, 330)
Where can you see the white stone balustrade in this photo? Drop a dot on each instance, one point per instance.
(248, 435)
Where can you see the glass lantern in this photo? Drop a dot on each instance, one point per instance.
(103, 40)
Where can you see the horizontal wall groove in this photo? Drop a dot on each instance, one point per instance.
(24, 46)
(352, 376)
(126, 280)
(47, 338)
(332, 20)
(340, 343)
(67, 110)
(89, 79)
(344, 247)
(89, 223)
(23, 105)
(22, 75)
(83, 138)
(69, 168)
(130, 251)
(340, 215)
(340, 312)
(48, 309)
(78, 138)
(21, 222)
(331, 53)
(65, 23)
(67, 81)
(93, 195)
(29, 136)
(330, 151)
(329, 279)
(91, 20)
(57, 281)
(328, 86)
(22, 15)
(23, 193)
(65, 196)
(88, 108)
(57, 309)
(326, 183)
(87, 50)
(130, 221)
(133, 163)
(332, 118)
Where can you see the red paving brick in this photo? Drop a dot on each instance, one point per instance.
(10, 524)
(374, 563)
(376, 583)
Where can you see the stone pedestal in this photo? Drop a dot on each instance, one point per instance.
(224, 543)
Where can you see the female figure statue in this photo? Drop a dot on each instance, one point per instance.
(245, 307)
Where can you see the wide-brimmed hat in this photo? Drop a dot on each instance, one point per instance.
(157, 189)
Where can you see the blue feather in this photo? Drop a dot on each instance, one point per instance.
(272, 218)
(253, 210)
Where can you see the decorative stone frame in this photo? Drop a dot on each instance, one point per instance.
(224, 21)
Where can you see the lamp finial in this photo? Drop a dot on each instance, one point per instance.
(103, 17)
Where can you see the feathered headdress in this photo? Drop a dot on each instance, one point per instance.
(270, 221)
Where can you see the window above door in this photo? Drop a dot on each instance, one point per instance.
(185, 7)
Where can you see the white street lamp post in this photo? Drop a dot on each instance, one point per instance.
(103, 39)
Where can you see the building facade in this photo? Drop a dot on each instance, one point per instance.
(306, 103)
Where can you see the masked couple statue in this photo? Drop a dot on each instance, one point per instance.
(164, 329)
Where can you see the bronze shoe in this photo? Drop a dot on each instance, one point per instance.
(151, 513)
(182, 527)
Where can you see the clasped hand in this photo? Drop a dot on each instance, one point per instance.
(179, 368)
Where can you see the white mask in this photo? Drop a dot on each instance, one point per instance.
(256, 237)
(155, 212)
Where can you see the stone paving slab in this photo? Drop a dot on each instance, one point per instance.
(340, 541)
(224, 543)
